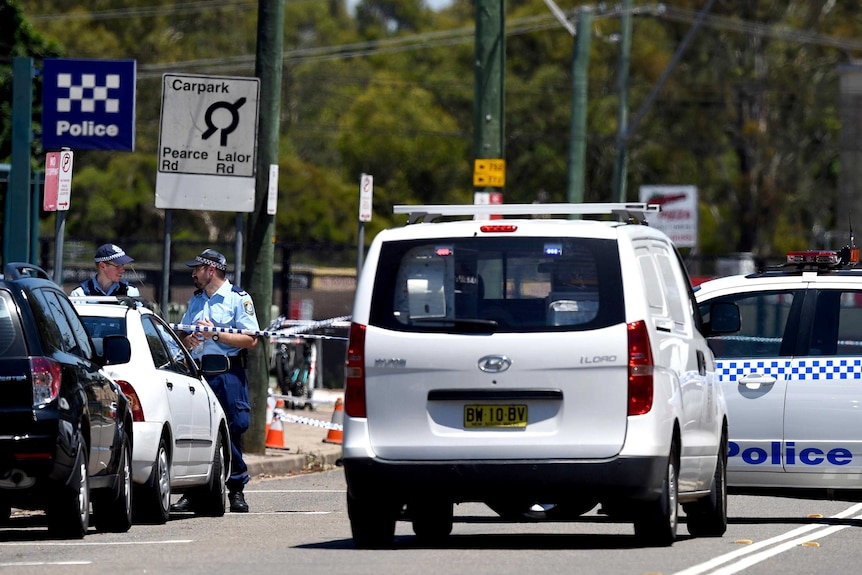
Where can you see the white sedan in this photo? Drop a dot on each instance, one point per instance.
(181, 436)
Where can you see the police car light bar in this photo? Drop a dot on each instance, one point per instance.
(622, 210)
(825, 258)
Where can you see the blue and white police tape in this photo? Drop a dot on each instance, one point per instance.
(310, 421)
(303, 399)
(294, 332)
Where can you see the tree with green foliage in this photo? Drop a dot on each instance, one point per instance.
(749, 115)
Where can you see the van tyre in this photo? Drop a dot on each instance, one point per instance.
(112, 510)
(707, 517)
(152, 501)
(432, 520)
(656, 521)
(69, 511)
(372, 522)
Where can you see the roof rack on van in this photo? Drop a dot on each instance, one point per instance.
(626, 212)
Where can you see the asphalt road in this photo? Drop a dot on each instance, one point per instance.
(299, 524)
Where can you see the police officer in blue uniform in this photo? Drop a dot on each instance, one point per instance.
(218, 303)
(110, 263)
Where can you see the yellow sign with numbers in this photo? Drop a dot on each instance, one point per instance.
(489, 173)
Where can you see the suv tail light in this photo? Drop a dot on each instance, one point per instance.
(46, 380)
(132, 397)
(354, 373)
(640, 369)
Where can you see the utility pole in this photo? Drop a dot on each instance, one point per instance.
(578, 133)
(620, 166)
(17, 218)
(489, 98)
(261, 228)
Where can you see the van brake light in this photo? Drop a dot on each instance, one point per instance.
(354, 373)
(640, 396)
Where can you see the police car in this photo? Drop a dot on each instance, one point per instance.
(792, 375)
(542, 366)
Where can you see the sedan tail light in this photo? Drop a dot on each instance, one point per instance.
(640, 369)
(134, 402)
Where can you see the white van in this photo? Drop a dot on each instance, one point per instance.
(541, 366)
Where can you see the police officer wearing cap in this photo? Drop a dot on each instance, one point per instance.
(218, 303)
(110, 263)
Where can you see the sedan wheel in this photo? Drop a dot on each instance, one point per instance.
(153, 499)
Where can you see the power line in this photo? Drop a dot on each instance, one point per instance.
(143, 11)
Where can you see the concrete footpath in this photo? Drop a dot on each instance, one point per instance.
(309, 438)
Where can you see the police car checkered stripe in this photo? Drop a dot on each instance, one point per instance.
(798, 369)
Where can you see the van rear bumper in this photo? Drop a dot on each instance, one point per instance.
(538, 480)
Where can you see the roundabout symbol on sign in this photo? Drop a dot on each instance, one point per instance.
(211, 127)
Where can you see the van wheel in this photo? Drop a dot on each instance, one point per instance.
(372, 522)
(656, 521)
(707, 517)
(432, 520)
(153, 499)
(113, 509)
(69, 510)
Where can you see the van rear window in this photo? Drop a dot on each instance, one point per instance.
(524, 284)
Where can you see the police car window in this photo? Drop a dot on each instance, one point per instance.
(837, 325)
(763, 316)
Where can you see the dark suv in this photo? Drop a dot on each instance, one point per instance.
(65, 427)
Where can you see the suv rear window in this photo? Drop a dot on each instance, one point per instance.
(521, 284)
(10, 344)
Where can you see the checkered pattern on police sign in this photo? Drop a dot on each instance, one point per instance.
(88, 93)
(799, 369)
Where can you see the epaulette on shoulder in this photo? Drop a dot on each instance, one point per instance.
(199, 291)
(238, 290)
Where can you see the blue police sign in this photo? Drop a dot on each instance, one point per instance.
(88, 104)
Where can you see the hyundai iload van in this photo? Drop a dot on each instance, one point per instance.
(542, 366)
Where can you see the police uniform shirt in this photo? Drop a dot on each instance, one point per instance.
(92, 287)
(228, 307)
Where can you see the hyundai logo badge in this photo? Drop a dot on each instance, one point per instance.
(494, 363)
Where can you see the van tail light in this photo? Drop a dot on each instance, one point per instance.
(640, 369)
(354, 373)
(47, 376)
(133, 399)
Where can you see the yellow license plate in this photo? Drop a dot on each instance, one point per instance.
(495, 416)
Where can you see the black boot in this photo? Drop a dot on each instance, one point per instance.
(237, 502)
(184, 505)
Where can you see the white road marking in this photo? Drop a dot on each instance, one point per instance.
(86, 543)
(295, 490)
(44, 563)
(811, 531)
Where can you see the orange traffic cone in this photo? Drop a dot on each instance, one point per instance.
(336, 435)
(275, 434)
(270, 411)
